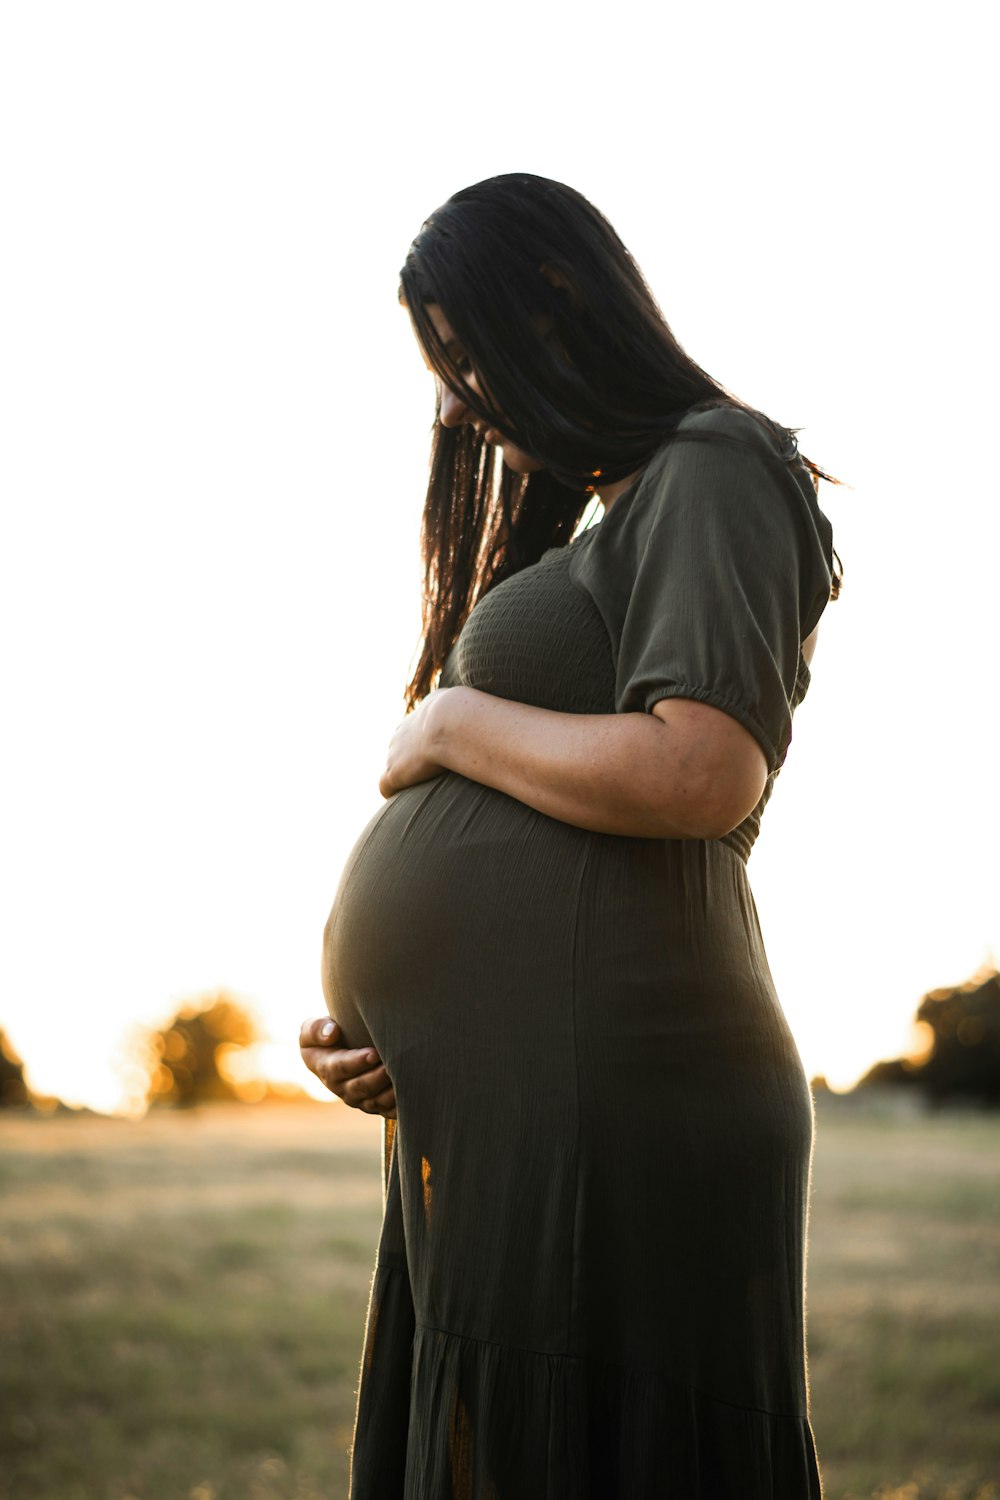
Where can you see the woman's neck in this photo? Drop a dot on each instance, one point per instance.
(609, 492)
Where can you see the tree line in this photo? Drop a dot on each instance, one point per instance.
(190, 1060)
(960, 1059)
(194, 1059)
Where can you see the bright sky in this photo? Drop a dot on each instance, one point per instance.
(216, 429)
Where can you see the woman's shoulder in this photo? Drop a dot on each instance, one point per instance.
(723, 480)
(737, 424)
(732, 432)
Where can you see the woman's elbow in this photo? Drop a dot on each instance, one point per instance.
(710, 818)
(723, 771)
(730, 797)
(719, 822)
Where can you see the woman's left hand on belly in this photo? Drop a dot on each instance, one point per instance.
(411, 757)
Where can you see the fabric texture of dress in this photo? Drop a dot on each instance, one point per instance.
(589, 1281)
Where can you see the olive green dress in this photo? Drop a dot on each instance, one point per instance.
(589, 1281)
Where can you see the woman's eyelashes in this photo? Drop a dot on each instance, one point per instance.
(459, 362)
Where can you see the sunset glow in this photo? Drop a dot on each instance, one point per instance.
(218, 429)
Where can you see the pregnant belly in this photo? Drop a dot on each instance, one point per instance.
(472, 935)
(450, 881)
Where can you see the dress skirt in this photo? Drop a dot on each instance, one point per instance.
(589, 1283)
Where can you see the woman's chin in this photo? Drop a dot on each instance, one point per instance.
(519, 461)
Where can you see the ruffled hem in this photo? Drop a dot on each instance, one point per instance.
(444, 1417)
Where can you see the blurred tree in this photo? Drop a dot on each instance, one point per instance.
(959, 1028)
(187, 1061)
(14, 1092)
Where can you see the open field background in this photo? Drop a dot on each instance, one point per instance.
(182, 1302)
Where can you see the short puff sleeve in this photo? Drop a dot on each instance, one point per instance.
(712, 573)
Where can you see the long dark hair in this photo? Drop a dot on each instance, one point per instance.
(596, 400)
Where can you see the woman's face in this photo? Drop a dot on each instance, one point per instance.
(454, 410)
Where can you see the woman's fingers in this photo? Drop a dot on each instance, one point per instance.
(320, 1031)
(346, 1071)
(372, 1092)
(382, 1104)
(321, 1035)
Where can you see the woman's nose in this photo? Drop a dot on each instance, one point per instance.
(453, 408)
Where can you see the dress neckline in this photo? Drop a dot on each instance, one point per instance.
(618, 500)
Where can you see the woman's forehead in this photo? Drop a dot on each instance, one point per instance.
(435, 314)
(442, 327)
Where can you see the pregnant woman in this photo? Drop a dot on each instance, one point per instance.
(543, 958)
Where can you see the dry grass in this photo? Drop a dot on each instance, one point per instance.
(183, 1300)
(183, 1304)
(904, 1304)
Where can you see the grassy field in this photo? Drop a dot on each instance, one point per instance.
(182, 1304)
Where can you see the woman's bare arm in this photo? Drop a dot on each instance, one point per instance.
(685, 770)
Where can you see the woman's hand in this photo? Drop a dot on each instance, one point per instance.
(414, 750)
(355, 1074)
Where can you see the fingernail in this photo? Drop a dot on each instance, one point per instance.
(370, 1057)
(328, 1028)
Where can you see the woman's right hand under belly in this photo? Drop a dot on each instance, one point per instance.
(355, 1074)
